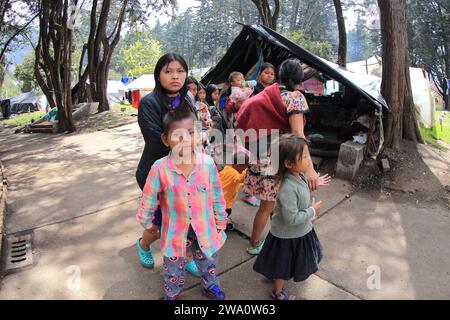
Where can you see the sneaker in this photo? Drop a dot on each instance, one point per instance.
(191, 267)
(252, 200)
(145, 257)
(175, 297)
(230, 225)
(214, 293)
(256, 250)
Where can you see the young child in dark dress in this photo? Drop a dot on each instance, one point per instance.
(292, 249)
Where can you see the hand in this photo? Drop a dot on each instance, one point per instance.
(316, 205)
(324, 180)
(313, 179)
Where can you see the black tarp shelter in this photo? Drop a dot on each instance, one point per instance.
(259, 43)
(256, 44)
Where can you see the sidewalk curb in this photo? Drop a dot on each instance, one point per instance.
(3, 197)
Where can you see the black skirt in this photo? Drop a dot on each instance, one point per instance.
(287, 259)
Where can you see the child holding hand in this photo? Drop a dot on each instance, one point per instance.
(292, 248)
(188, 187)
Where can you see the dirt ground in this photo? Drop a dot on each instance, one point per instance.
(420, 174)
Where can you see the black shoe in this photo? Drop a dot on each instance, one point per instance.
(230, 226)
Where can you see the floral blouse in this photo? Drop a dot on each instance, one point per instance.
(295, 102)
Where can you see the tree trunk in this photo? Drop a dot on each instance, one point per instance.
(100, 50)
(294, 15)
(3, 68)
(267, 18)
(342, 51)
(401, 121)
(53, 57)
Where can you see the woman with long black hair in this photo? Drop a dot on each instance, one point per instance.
(170, 93)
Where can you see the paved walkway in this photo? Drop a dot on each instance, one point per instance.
(77, 196)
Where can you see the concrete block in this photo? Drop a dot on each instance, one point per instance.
(84, 110)
(351, 155)
(385, 165)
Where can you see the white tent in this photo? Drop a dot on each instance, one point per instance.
(145, 82)
(199, 72)
(420, 83)
(116, 92)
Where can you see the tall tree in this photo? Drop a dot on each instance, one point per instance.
(53, 58)
(104, 35)
(294, 15)
(342, 50)
(401, 122)
(268, 14)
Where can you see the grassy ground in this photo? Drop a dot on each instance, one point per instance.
(440, 131)
(23, 119)
(126, 109)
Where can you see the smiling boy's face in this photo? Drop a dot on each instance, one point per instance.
(182, 137)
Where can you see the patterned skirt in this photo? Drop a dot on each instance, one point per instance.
(258, 183)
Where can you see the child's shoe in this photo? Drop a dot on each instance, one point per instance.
(256, 250)
(175, 297)
(214, 293)
(145, 257)
(282, 295)
(230, 225)
(191, 267)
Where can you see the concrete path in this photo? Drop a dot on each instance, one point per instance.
(77, 196)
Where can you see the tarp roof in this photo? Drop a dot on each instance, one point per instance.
(245, 51)
(146, 81)
(27, 97)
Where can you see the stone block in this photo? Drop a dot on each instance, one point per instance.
(351, 155)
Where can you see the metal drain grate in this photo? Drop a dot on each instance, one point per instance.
(19, 251)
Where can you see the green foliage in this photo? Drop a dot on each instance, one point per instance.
(139, 57)
(9, 88)
(321, 48)
(440, 131)
(24, 72)
(429, 37)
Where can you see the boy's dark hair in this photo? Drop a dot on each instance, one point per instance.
(159, 91)
(175, 115)
(233, 75)
(291, 73)
(289, 147)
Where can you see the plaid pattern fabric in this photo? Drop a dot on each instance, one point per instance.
(195, 201)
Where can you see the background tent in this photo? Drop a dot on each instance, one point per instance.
(421, 87)
(28, 102)
(116, 92)
(145, 82)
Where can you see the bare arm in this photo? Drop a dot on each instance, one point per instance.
(297, 123)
